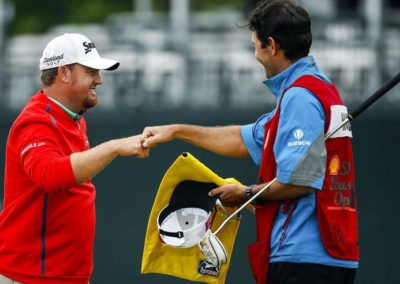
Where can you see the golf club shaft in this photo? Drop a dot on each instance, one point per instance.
(377, 95)
(372, 99)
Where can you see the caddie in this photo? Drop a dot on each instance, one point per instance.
(307, 219)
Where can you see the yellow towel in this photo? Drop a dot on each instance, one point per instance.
(184, 262)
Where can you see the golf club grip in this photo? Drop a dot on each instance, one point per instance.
(379, 93)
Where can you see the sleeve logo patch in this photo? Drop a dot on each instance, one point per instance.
(298, 135)
(31, 146)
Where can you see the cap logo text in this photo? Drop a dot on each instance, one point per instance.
(88, 46)
(53, 60)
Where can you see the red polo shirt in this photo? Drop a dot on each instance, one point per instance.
(47, 222)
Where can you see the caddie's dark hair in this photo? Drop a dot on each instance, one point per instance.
(48, 76)
(286, 22)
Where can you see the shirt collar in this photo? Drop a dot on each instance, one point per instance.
(278, 83)
(73, 115)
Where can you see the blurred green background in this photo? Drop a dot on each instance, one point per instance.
(36, 16)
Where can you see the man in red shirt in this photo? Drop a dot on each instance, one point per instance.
(47, 224)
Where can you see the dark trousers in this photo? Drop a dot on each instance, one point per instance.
(308, 273)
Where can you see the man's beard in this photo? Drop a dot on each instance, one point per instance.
(89, 103)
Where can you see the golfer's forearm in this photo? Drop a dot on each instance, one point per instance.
(281, 191)
(87, 164)
(225, 140)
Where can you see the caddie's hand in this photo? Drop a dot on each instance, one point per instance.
(230, 194)
(154, 135)
(132, 146)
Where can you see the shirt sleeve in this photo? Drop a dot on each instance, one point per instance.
(253, 137)
(42, 159)
(299, 148)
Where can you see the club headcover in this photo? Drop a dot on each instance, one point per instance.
(213, 249)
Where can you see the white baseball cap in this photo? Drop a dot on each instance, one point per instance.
(74, 48)
(187, 217)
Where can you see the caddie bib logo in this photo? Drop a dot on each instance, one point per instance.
(334, 165)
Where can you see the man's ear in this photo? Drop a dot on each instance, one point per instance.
(64, 73)
(273, 45)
